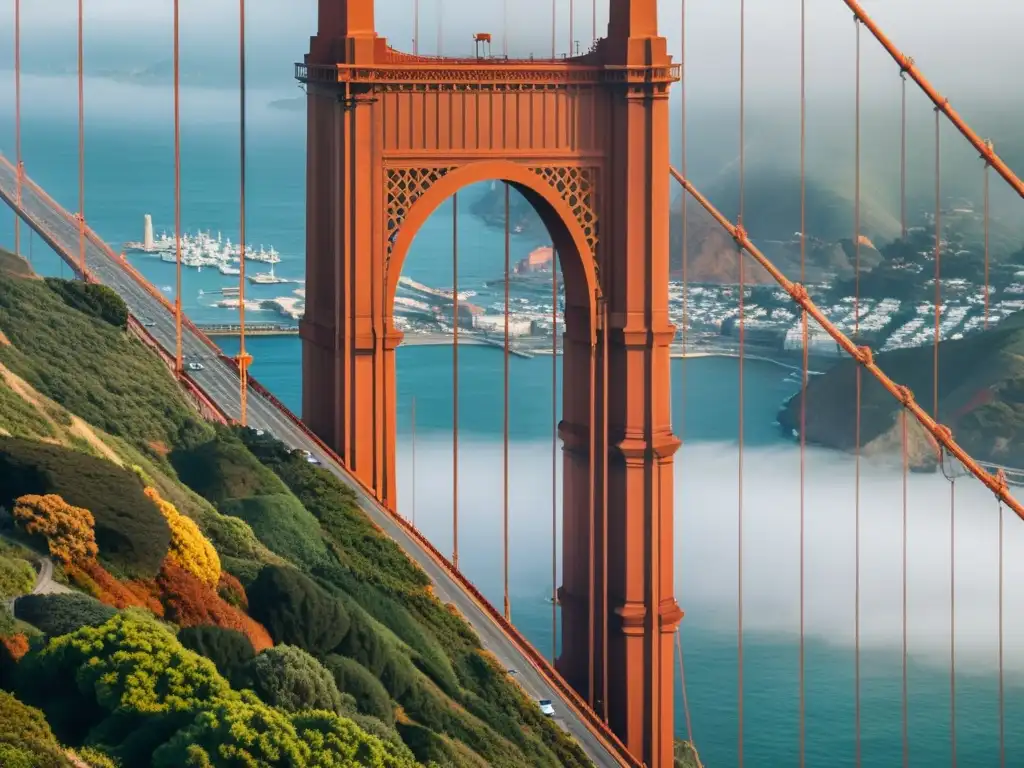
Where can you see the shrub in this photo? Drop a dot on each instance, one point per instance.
(222, 469)
(296, 610)
(93, 370)
(290, 679)
(60, 614)
(189, 549)
(228, 649)
(231, 591)
(189, 602)
(68, 530)
(6, 620)
(95, 580)
(131, 534)
(92, 299)
(15, 646)
(25, 737)
(369, 694)
(245, 731)
(17, 577)
(94, 758)
(19, 417)
(283, 525)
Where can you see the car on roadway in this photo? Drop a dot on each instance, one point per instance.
(195, 366)
(545, 708)
(147, 323)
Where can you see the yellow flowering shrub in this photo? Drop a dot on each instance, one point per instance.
(68, 530)
(189, 549)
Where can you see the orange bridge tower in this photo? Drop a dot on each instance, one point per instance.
(586, 141)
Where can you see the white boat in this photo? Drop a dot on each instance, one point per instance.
(267, 278)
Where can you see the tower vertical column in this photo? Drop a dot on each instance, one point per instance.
(643, 613)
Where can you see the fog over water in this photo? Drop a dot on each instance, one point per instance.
(706, 543)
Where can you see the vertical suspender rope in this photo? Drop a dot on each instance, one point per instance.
(414, 461)
(440, 28)
(177, 189)
(605, 353)
(903, 154)
(986, 225)
(592, 475)
(554, 457)
(17, 123)
(739, 463)
(805, 360)
(554, 25)
(81, 141)
(857, 416)
(416, 27)
(572, 23)
(243, 356)
(455, 380)
(504, 34)
(952, 614)
(592, 598)
(938, 270)
(504, 535)
(1002, 693)
(593, 21)
(904, 697)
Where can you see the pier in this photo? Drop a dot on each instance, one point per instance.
(251, 329)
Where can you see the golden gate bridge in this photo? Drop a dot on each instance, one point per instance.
(400, 133)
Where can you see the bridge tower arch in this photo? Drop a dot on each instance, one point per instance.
(586, 140)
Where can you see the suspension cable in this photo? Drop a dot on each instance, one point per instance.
(593, 22)
(504, 34)
(1002, 698)
(440, 28)
(941, 103)
(606, 352)
(857, 415)
(903, 154)
(685, 218)
(413, 419)
(554, 464)
(244, 359)
(592, 472)
(739, 457)
(504, 534)
(572, 24)
(938, 273)
(455, 380)
(682, 680)
(81, 141)
(554, 27)
(177, 190)
(952, 618)
(904, 696)
(986, 226)
(17, 124)
(416, 27)
(805, 373)
(994, 481)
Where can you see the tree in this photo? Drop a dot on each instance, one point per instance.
(68, 530)
(60, 614)
(369, 693)
(189, 549)
(25, 737)
(296, 610)
(229, 649)
(290, 679)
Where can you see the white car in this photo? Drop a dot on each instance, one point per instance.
(195, 366)
(546, 708)
(310, 457)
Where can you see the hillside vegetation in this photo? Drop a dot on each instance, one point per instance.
(222, 586)
(981, 398)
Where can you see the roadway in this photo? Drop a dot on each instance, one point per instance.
(221, 383)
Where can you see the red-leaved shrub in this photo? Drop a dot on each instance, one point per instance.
(188, 602)
(232, 591)
(98, 582)
(14, 646)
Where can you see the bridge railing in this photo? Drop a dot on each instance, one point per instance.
(544, 667)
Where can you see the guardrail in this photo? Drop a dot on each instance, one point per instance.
(583, 710)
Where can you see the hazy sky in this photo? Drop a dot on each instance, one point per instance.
(964, 46)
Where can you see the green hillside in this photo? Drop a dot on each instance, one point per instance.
(211, 585)
(981, 398)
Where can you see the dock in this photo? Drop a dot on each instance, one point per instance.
(251, 329)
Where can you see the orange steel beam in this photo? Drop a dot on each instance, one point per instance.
(863, 355)
(941, 102)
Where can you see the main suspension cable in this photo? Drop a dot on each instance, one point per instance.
(857, 415)
(244, 359)
(81, 140)
(455, 380)
(177, 189)
(504, 533)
